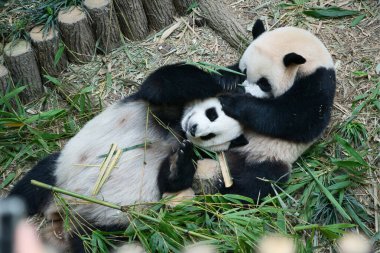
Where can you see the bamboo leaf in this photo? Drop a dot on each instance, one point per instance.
(11, 94)
(328, 194)
(357, 20)
(350, 150)
(9, 178)
(330, 12)
(59, 53)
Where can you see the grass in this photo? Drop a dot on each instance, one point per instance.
(333, 186)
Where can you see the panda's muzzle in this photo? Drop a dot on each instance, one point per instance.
(193, 130)
(207, 137)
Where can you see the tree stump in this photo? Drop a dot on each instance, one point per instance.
(182, 6)
(21, 62)
(105, 23)
(132, 19)
(160, 13)
(76, 34)
(46, 45)
(224, 23)
(5, 81)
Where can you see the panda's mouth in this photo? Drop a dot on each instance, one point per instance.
(207, 137)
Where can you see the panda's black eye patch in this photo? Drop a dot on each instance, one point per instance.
(264, 84)
(211, 114)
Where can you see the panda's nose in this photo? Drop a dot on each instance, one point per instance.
(193, 129)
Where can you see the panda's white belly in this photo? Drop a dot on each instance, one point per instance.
(132, 181)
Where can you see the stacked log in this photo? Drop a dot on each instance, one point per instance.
(105, 24)
(160, 13)
(77, 34)
(21, 62)
(4, 79)
(46, 46)
(132, 18)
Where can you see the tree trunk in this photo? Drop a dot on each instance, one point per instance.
(160, 13)
(21, 62)
(46, 45)
(182, 6)
(132, 19)
(224, 23)
(5, 81)
(77, 34)
(105, 23)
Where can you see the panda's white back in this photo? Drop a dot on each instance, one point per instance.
(131, 181)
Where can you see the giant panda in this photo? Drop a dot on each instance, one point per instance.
(142, 174)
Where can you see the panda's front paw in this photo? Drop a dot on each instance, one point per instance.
(185, 151)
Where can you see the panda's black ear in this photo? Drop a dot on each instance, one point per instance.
(258, 29)
(293, 58)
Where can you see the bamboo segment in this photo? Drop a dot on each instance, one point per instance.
(77, 34)
(105, 23)
(46, 45)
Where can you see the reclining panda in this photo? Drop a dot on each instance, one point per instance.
(279, 127)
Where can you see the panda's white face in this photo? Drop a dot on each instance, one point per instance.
(208, 126)
(269, 72)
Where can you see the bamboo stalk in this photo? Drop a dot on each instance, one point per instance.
(225, 170)
(111, 205)
(103, 169)
(109, 168)
(75, 195)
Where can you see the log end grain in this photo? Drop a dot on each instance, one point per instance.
(17, 48)
(96, 4)
(38, 34)
(71, 15)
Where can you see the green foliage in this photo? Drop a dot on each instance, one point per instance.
(330, 12)
(29, 14)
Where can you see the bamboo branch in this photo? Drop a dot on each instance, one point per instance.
(76, 195)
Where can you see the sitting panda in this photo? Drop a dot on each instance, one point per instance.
(289, 93)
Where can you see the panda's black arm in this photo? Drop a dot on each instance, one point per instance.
(177, 170)
(300, 115)
(255, 180)
(180, 83)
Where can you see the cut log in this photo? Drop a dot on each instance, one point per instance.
(5, 80)
(182, 6)
(104, 23)
(21, 62)
(46, 45)
(220, 19)
(160, 13)
(132, 19)
(76, 34)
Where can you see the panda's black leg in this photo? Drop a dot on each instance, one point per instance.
(255, 180)
(35, 197)
(177, 171)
